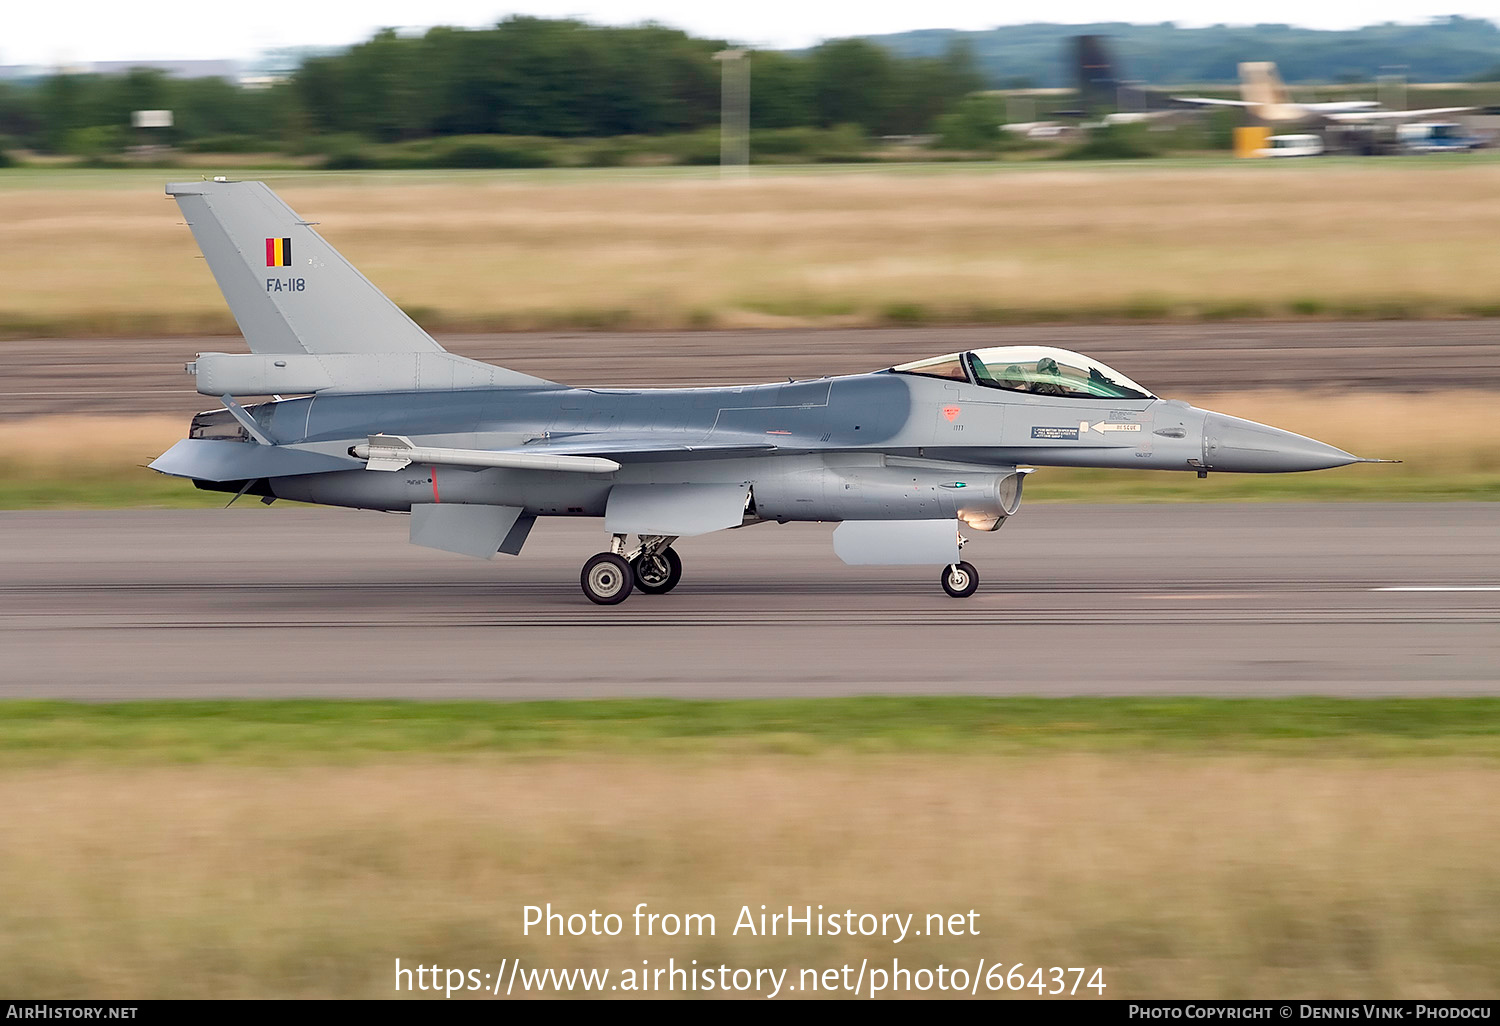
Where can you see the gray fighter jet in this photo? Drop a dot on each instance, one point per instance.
(385, 419)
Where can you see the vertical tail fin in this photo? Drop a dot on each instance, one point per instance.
(1094, 72)
(1260, 83)
(289, 290)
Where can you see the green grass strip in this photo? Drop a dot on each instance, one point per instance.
(321, 731)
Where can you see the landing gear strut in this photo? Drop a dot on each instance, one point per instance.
(960, 580)
(653, 566)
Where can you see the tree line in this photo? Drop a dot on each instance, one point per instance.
(1443, 49)
(524, 77)
(568, 80)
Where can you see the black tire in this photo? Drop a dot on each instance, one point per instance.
(607, 579)
(960, 580)
(658, 575)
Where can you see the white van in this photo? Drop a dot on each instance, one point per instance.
(1292, 146)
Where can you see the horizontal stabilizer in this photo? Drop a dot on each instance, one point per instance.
(395, 452)
(218, 459)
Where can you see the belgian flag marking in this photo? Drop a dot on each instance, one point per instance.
(278, 252)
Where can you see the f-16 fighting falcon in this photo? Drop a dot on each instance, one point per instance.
(381, 417)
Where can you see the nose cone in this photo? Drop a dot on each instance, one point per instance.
(1245, 447)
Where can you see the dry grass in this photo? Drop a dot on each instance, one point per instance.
(71, 461)
(846, 248)
(49, 445)
(1446, 439)
(1182, 877)
(1436, 432)
(1453, 429)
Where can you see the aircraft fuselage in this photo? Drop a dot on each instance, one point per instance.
(867, 446)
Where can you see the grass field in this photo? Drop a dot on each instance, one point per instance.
(1190, 848)
(103, 252)
(62, 462)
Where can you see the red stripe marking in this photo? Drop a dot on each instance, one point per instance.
(270, 252)
(434, 485)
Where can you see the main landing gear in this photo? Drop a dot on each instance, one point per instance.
(653, 566)
(658, 574)
(607, 579)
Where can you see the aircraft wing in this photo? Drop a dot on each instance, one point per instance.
(1340, 106)
(1135, 117)
(216, 459)
(1212, 101)
(1396, 115)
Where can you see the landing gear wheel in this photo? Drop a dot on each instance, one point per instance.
(960, 579)
(606, 579)
(658, 574)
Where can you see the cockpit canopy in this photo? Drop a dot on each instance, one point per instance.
(1041, 370)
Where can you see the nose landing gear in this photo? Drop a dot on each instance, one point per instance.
(653, 566)
(960, 579)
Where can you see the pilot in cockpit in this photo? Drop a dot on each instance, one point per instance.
(1014, 378)
(1048, 378)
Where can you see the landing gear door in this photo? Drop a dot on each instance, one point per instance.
(679, 510)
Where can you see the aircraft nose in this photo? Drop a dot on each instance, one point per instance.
(1243, 446)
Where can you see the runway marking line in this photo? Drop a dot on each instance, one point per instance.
(1440, 587)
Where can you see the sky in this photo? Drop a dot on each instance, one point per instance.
(78, 31)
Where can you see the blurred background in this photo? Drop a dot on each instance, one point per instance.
(540, 92)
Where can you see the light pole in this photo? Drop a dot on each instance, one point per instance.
(734, 113)
(1019, 109)
(1393, 83)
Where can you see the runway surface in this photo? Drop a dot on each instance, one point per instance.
(128, 375)
(1172, 599)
